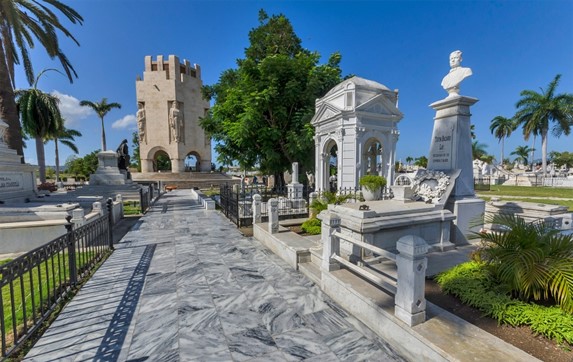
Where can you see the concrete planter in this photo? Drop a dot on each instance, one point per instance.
(371, 195)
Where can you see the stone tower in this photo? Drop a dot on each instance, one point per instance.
(169, 106)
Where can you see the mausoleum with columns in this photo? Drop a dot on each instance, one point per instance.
(356, 130)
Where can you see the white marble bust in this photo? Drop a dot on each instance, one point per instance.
(451, 82)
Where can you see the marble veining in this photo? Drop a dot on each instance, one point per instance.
(184, 285)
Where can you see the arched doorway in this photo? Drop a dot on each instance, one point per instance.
(372, 157)
(192, 162)
(330, 176)
(161, 161)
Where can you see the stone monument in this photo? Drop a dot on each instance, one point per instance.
(170, 105)
(17, 181)
(359, 118)
(451, 148)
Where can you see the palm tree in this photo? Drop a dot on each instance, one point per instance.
(409, 160)
(535, 111)
(522, 152)
(66, 137)
(101, 108)
(502, 128)
(21, 23)
(41, 118)
(478, 150)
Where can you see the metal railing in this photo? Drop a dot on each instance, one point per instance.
(236, 202)
(33, 284)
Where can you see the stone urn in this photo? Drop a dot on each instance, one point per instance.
(371, 195)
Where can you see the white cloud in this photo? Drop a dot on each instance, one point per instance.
(128, 121)
(71, 109)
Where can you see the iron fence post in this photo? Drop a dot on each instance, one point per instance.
(141, 203)
(71, 251)
(109, 203)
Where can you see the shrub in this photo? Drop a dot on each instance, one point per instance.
(326, 198)
(472, 283)
(372, 182)
(530, 260)
(311, 226)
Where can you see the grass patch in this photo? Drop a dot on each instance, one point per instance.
(131, 208)
(49, 277)
(471, 283)
(528, 191)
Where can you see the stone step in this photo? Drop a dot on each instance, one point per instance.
(311, 271)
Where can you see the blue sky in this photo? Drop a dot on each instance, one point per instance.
(510, 46)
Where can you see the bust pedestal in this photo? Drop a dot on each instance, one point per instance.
(107, 172)
(451, 149)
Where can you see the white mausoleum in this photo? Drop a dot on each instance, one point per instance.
(169, 107)
(356, 130)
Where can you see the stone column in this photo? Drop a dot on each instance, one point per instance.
(78, 218)
(295, 188)
(273, 211)
(257, 208)
(330, 243)
(96, 207)
(410, 301)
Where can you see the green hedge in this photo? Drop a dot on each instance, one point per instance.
(311, 226)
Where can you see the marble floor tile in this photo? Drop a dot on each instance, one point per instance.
(252, 342)
(326, 322)
(239, 320)
(278, 317)
(300, 344)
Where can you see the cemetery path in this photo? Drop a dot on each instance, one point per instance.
(183, 284)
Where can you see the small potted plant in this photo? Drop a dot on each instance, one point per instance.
(372, 186)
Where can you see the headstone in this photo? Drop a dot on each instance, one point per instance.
(295, 188)
(273, 211)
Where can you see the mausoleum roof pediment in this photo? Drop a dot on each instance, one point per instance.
(324, 112)
(380, 105)
(358, 83)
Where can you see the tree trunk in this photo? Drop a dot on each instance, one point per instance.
(57, 161)
(103, 148)
(8, 109)
(532, 152)
(502, 144)
(41, 158)
(544, 152)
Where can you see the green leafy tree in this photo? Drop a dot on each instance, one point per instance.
(101, 108)
(421, 161)
(65, 136)
(502, 128)
(23, 25)
(478, 150)
(41, 118)
(263, 108)
(84, 166)
(562, 158)
(136, 159)
(163, 162)
(522, 152)
(533, 261)
(536, 112)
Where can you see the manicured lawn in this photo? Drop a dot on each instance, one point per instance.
(567, 203)
(49, 277)
(528, 191)
(131, 208)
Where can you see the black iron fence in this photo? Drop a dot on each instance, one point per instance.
(33, 284)
(236, 201)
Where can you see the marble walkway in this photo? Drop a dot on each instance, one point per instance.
(184, 285)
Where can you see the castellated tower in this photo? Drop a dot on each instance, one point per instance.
(169, 106)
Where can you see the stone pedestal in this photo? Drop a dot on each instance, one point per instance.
(451, 149)
(412, 263)
(107, 172)
(17, 181)
(294, 191)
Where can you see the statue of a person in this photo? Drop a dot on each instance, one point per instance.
(451, 82)
(141, 121)
(123, 155)
(174, 121)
